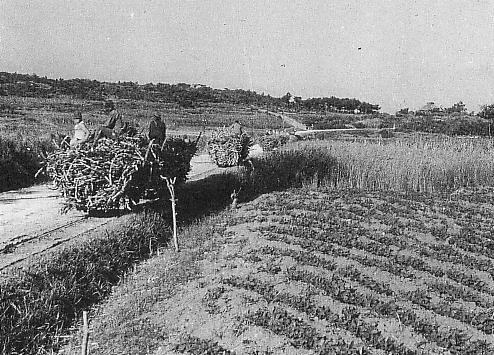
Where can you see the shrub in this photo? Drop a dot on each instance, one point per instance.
(20, 159)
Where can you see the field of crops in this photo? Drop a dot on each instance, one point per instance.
(37, 116)
(322, 272)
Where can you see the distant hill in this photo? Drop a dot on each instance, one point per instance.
(186, 95)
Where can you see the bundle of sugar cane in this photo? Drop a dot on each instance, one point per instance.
(269, 142)
(227, 148)
(116, 174)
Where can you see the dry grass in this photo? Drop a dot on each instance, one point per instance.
(423, 165)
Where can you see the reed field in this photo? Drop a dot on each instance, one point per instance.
(413, 164)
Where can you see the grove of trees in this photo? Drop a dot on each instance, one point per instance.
(183, 94)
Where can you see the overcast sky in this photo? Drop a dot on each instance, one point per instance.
(396, 53)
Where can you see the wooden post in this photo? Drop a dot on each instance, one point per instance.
(234, 197)
(170, 183)
(85, 334)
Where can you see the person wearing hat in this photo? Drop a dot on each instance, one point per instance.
(157, 129)
(81, 133)
(114, 124)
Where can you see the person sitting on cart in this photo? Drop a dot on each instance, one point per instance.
(157, 129)
(112, 129)
(81, 133)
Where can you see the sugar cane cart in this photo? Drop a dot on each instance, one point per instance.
(118, 174)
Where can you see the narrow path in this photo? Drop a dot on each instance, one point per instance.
(289, 120)
(31, 222)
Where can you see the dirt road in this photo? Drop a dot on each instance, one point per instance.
(31, 222)
(289, 120)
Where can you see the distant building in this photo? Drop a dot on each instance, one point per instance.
(429, 108)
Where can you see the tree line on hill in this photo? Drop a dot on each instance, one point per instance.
(186, 95)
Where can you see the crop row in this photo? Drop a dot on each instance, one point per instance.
(350, 320)
(309, 258)
(446, 253)
(301, 256)
(481, 320)
(440, 285)
(440, 252)
(395, 263)
(300, 333)
(338, 289)
(471, 242)
(456, 340)
(197, 346)
(460, 292)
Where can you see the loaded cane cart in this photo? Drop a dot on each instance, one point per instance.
(118, 174)
(228, 148)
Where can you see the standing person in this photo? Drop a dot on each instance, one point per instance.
(113, 126)
(236, 128)
(157, 129)
(81, 133)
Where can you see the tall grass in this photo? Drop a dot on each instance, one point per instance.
(39, 301)
(20, 159)
(423, 165)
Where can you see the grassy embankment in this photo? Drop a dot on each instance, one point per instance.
(40, 301)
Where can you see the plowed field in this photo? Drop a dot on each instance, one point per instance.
(306, 272)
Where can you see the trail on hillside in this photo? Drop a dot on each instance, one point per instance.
(31, 222)
(289, 120)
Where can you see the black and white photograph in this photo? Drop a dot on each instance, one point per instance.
(263, 177)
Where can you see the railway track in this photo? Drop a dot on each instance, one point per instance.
(22, 247)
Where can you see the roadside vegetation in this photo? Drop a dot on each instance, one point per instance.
(439, 164)
(20, 159)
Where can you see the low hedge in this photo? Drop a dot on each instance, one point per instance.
(20, 160)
